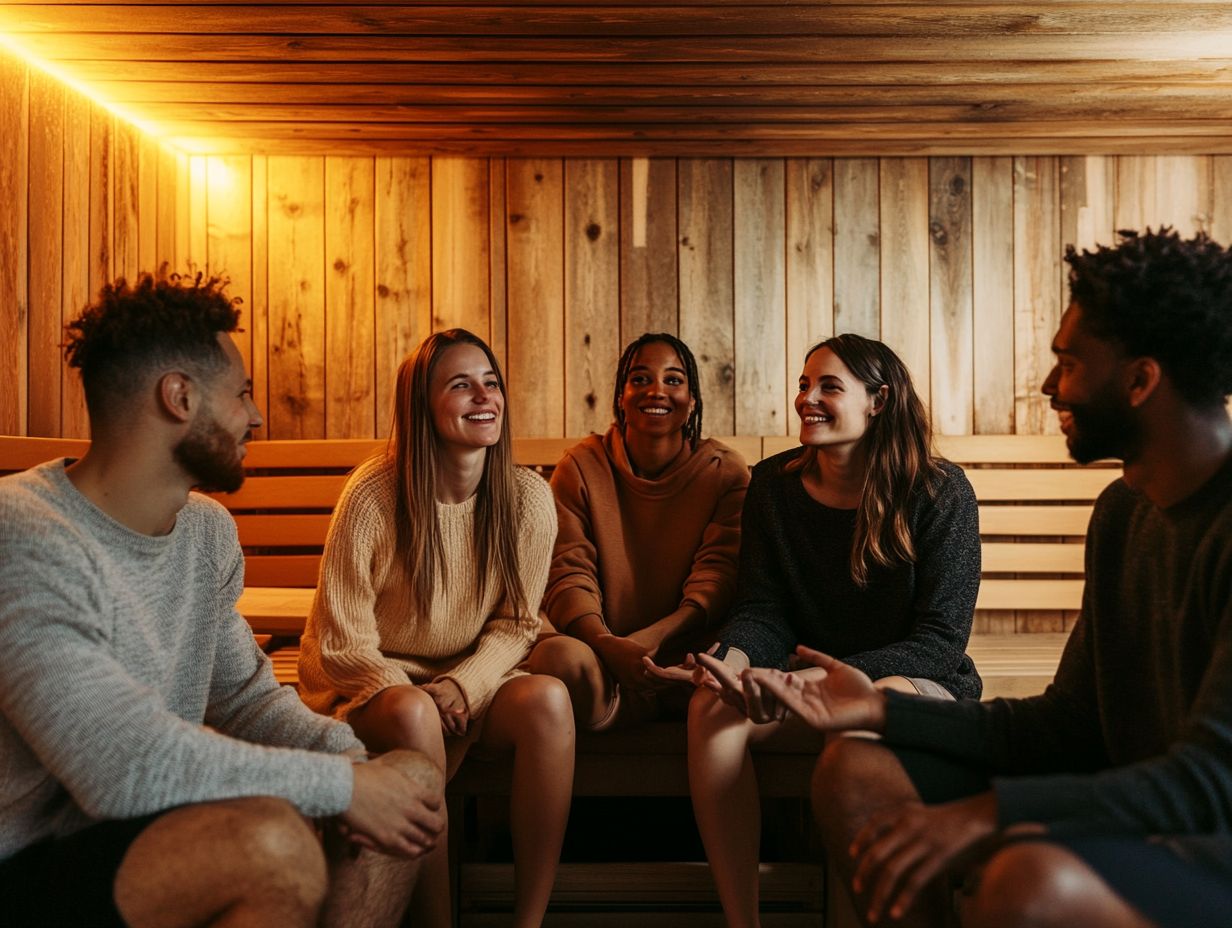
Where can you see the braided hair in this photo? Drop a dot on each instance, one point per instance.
(693, 425)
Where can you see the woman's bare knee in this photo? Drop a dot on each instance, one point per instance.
(541, 707)
(396, 717)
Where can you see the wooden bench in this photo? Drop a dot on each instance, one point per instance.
(1034, 507)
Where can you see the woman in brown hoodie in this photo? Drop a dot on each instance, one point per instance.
(649, 531)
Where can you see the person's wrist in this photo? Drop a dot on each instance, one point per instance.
(877, 707)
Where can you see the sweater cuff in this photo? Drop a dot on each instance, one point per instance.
(332, 780)
(923, 722)
(570, 605)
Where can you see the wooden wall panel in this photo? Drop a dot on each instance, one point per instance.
(460, 245)
(1037, 268)
(951, 302)
(296, 280)
(857, 247)
(592, 291)
(14, 128)
(350, 367)
(46, 230)
(648, 273)
(992, 294)
(904, 265)
(403, 271)
(810, 262)
(760, 297)
(78, 286)
(228, 199)
(536, 296)
(126, 148)
(707, 301)
(258, 315)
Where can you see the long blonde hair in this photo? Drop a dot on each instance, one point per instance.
(414, 452)
(900, 459)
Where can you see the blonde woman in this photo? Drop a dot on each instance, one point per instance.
(434, 565)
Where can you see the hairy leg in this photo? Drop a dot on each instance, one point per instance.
(371, 889)
(573, 663)
(406, 718)
(855, 778)
(1036, 884)
(533, 717)
(726, 803)
(238, 862)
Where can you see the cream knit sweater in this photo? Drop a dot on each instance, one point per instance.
(363, 634)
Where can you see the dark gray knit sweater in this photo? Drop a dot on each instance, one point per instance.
(1135, 735)
(795, 584)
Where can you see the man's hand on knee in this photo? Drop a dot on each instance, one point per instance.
(397, 805)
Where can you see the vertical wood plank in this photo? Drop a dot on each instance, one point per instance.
(1221, 199)
(1183, 190)
(857, 247)
(1088, 185)
(258, 315)
(198, 213)
(126, 197)
(707, 302)
(810, 260)
(403, 271)
(498, 307)
(296, 282)
(760, 296)
(77, 260)
(165, 219)
(992, 290)
(648, 275)
(14, 324)
(460, 245)
(1037, 266)
(951, 301)
(592, 291)
(147, 203)
(350, 371)
(102, 131)
(228, 204)
(536, 297)
(904, 265)
(46, 254)
(183, 211)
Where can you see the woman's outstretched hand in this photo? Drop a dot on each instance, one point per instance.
(839, 698)
(688, 671)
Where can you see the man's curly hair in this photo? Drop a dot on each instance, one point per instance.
(1158, 295)
(134, 331)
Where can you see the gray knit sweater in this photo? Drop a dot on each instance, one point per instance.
(116, 650)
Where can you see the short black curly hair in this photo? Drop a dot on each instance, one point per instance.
(132, 331)
(1161, 296)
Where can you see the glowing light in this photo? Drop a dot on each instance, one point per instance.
(149, 128)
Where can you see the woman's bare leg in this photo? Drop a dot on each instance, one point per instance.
(406, 717)
(574, 663)
(533, 717)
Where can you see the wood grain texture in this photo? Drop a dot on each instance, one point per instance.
(126, 202)
(857, 247)
(229, 246)
(648, 275)
(707, 298)
(1037, 268)
(460, 245)
(536, 297)
(350, 365)
(760, 297)
(45, 252)
(14, 322)
(75, 241)
(905, 321)
(992, 293)
(810, 261)
(296, 281)
(147, 203)
(258, 315)
(951, 300)
(592, 292)
(403, 243)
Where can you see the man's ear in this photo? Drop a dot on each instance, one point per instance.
(177, 395)
(1145, 375)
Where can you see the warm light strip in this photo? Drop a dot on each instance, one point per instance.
(149, 128)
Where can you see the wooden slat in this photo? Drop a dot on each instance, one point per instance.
(229, 239)
(45, 256)
(275, 610)
(904, 265)
(297, 492)
(1027, 557)
(460, 245)
(1037, 268)
(1029, 594)
(282, 570)
(992, 289)
(951, 303)
(1068, 521)
(648, 276)
(21, 452)
(857, 254)
(76, 248)
(810, 260)
(1065, 484)
(282, 530)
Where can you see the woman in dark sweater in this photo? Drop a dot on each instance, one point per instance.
(861, 544)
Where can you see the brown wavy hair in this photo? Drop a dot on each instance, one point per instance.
(414, 451)
(898, 443)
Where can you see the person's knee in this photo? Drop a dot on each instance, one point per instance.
(410, 711)
(1027, 884)
(565, 658)
(544, 703)
(417, 767)
(708, 712)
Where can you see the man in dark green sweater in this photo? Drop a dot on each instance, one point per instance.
(1106, 801)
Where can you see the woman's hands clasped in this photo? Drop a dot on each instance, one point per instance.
(451, 704)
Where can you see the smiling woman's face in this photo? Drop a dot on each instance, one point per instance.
(466, 399)
(656, 399)
(833, 405)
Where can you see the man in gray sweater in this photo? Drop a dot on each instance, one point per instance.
(1107, 800)
(152, 771)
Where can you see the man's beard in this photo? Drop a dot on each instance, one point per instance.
(210, 455)
(1104, 427)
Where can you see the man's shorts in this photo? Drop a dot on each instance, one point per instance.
(1156, 876)
(68, 882)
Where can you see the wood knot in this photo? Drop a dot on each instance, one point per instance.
(593, 231)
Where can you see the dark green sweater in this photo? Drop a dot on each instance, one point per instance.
(794, 584)
(1135, 735)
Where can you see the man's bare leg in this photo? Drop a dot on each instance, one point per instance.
(856, 778)
(1040, 885)
(235, 863)
(368, 889)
